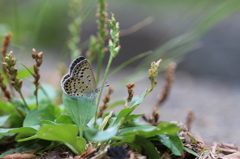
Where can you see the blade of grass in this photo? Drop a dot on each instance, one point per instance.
(128, 62)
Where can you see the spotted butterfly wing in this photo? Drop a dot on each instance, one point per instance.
(80, 80)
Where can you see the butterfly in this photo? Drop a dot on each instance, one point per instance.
(80, 80)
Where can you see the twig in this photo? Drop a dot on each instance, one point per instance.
(169, 76)
(130, 87)
(190, 119)
(4, 89)
(105, 102)
(38, 58)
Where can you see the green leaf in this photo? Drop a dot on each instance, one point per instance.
(143, 130)
(138, 142)
(129, 61)
(29, 131)
(115, 104)
(23, 138)
(80, 109)
(24, 73)
(27, 148)
(173, 142)
(64, 119)
(3, 119)
(6, 108)
(140, 99)
(99, 136)
(20, 106)
(15, 121)
(46, 92)
(105, 121)
(35, 116)
(168, 128)
(81, 144)
(63, 133)
(148, 147)
(190, 151)
(133, 116)
(150, 131)
(124, 113)
(23, 132)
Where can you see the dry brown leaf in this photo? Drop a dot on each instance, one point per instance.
(232, 156)
(20, 156)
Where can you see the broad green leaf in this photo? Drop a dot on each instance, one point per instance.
(15, 121)
(22, 138)
(81, 144)
(25, 130)
(168, 128)
(6, 108)
(63, 133)
(143, 130)
(3, 119)
(173, 142)
(80, 109)
(64, 119)
(35, 116)
(5, 130)
(150, 131)
(100, 136)
(190, 151)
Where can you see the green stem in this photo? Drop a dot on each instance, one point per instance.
(37, 100)
(23, 100)
(104, 79)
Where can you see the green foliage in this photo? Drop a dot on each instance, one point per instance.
(80, 109)
(63, 133)
(76, 125)
(173, 142)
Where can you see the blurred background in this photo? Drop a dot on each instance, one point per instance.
(203, 37)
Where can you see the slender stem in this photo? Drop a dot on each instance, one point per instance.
(104, 79)
(23, 100)
(37, 100)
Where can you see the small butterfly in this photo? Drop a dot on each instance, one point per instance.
(80, 80)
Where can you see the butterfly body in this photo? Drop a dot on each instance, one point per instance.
(80, 80)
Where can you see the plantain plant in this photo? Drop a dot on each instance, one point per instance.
(81, 125)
